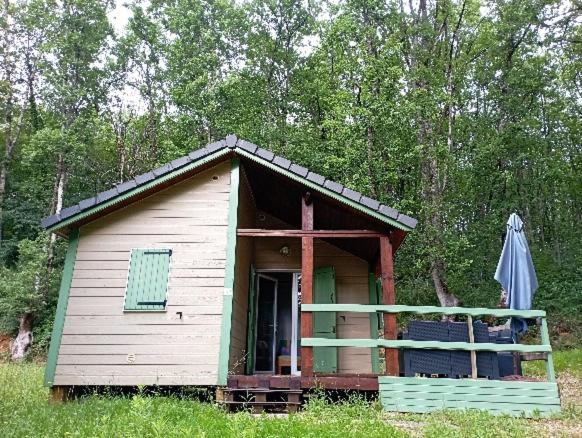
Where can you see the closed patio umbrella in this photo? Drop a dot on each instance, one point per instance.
(515, 271)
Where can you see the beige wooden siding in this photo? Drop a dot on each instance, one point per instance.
(102, 344)
(351, 287)
(244, 248)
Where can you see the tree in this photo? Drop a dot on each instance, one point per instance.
(19, 300)
(141, 64)
(13, 101)
(74, 89)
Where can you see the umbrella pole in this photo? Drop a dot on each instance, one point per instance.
(473, 353)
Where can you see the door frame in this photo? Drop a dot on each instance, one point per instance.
(258, 285)
(295, 275)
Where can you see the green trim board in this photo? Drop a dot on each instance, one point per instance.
(422, 310)
(385, 343)
(323, 190)
(59, 323)
(119, 198)
(374, 298)
(418, 394)
(251, 319)
(226, 322)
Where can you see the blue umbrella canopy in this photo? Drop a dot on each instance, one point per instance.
(515, 270)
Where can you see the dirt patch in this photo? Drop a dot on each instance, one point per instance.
(4, 344)
(570, 425)
(570, 389)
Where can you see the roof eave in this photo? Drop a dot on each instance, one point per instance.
(82, 214)
(326, 191)
(231, 144)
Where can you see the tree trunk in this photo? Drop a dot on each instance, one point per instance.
(58, 193)
(8, 67)
(432, 200)
(3, 175)
(431, 186)
(446, 298)
(23, 341)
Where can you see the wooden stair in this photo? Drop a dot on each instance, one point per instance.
(259, 399)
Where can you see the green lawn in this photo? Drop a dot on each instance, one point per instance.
(567, 361)
(24, 412)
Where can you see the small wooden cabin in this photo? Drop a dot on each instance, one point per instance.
(236, 269)
(195, 274)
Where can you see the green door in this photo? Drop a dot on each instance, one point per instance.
(324, 323)
(251, 318)
(376, 321)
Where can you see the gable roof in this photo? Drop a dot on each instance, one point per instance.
(215, 151)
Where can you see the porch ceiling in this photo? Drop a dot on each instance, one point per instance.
(281, 197)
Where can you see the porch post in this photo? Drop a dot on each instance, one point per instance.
(388, 297)
(306, 283)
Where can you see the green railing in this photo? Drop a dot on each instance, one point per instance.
(544, 347)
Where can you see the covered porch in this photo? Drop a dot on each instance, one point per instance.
(337, 265)
(297, 247)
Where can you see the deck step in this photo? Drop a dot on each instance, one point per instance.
(259, 399)
(265, 390)
(261, 403)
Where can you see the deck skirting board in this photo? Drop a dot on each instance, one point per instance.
(417, 394)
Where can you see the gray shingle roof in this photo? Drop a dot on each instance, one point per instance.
(234, 143)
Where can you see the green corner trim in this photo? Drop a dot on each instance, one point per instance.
(140, 189)
(324, 190)
(226, 322)
(67, 278)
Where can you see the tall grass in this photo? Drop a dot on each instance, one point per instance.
(25, 412)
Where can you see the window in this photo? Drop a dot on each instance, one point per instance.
(147, 281)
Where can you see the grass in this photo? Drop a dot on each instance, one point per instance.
(24, 412)
(566, 361)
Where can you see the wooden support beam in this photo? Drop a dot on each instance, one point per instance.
(306, 283)
(473, 353)
(60, 394)
(396, 238)
(256, 232)
(388, 297)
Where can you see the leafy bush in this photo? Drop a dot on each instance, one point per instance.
(29, 287)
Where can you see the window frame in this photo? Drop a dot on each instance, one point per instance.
(165, 309)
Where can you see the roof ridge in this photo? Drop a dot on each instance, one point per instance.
(231, 142)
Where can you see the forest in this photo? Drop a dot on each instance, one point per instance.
(456, 112)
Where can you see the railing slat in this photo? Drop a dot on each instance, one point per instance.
(465, 346)
(545, 335)
(422, 310)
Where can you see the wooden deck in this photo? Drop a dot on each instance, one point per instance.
(282, 393)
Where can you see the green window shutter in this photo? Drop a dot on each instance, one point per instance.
(147, 281)
(324, 323)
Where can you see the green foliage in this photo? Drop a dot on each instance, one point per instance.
(26, 288)
(458, 115)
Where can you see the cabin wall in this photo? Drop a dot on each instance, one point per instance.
(103, 345)
(244, 252)
(351, 288)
